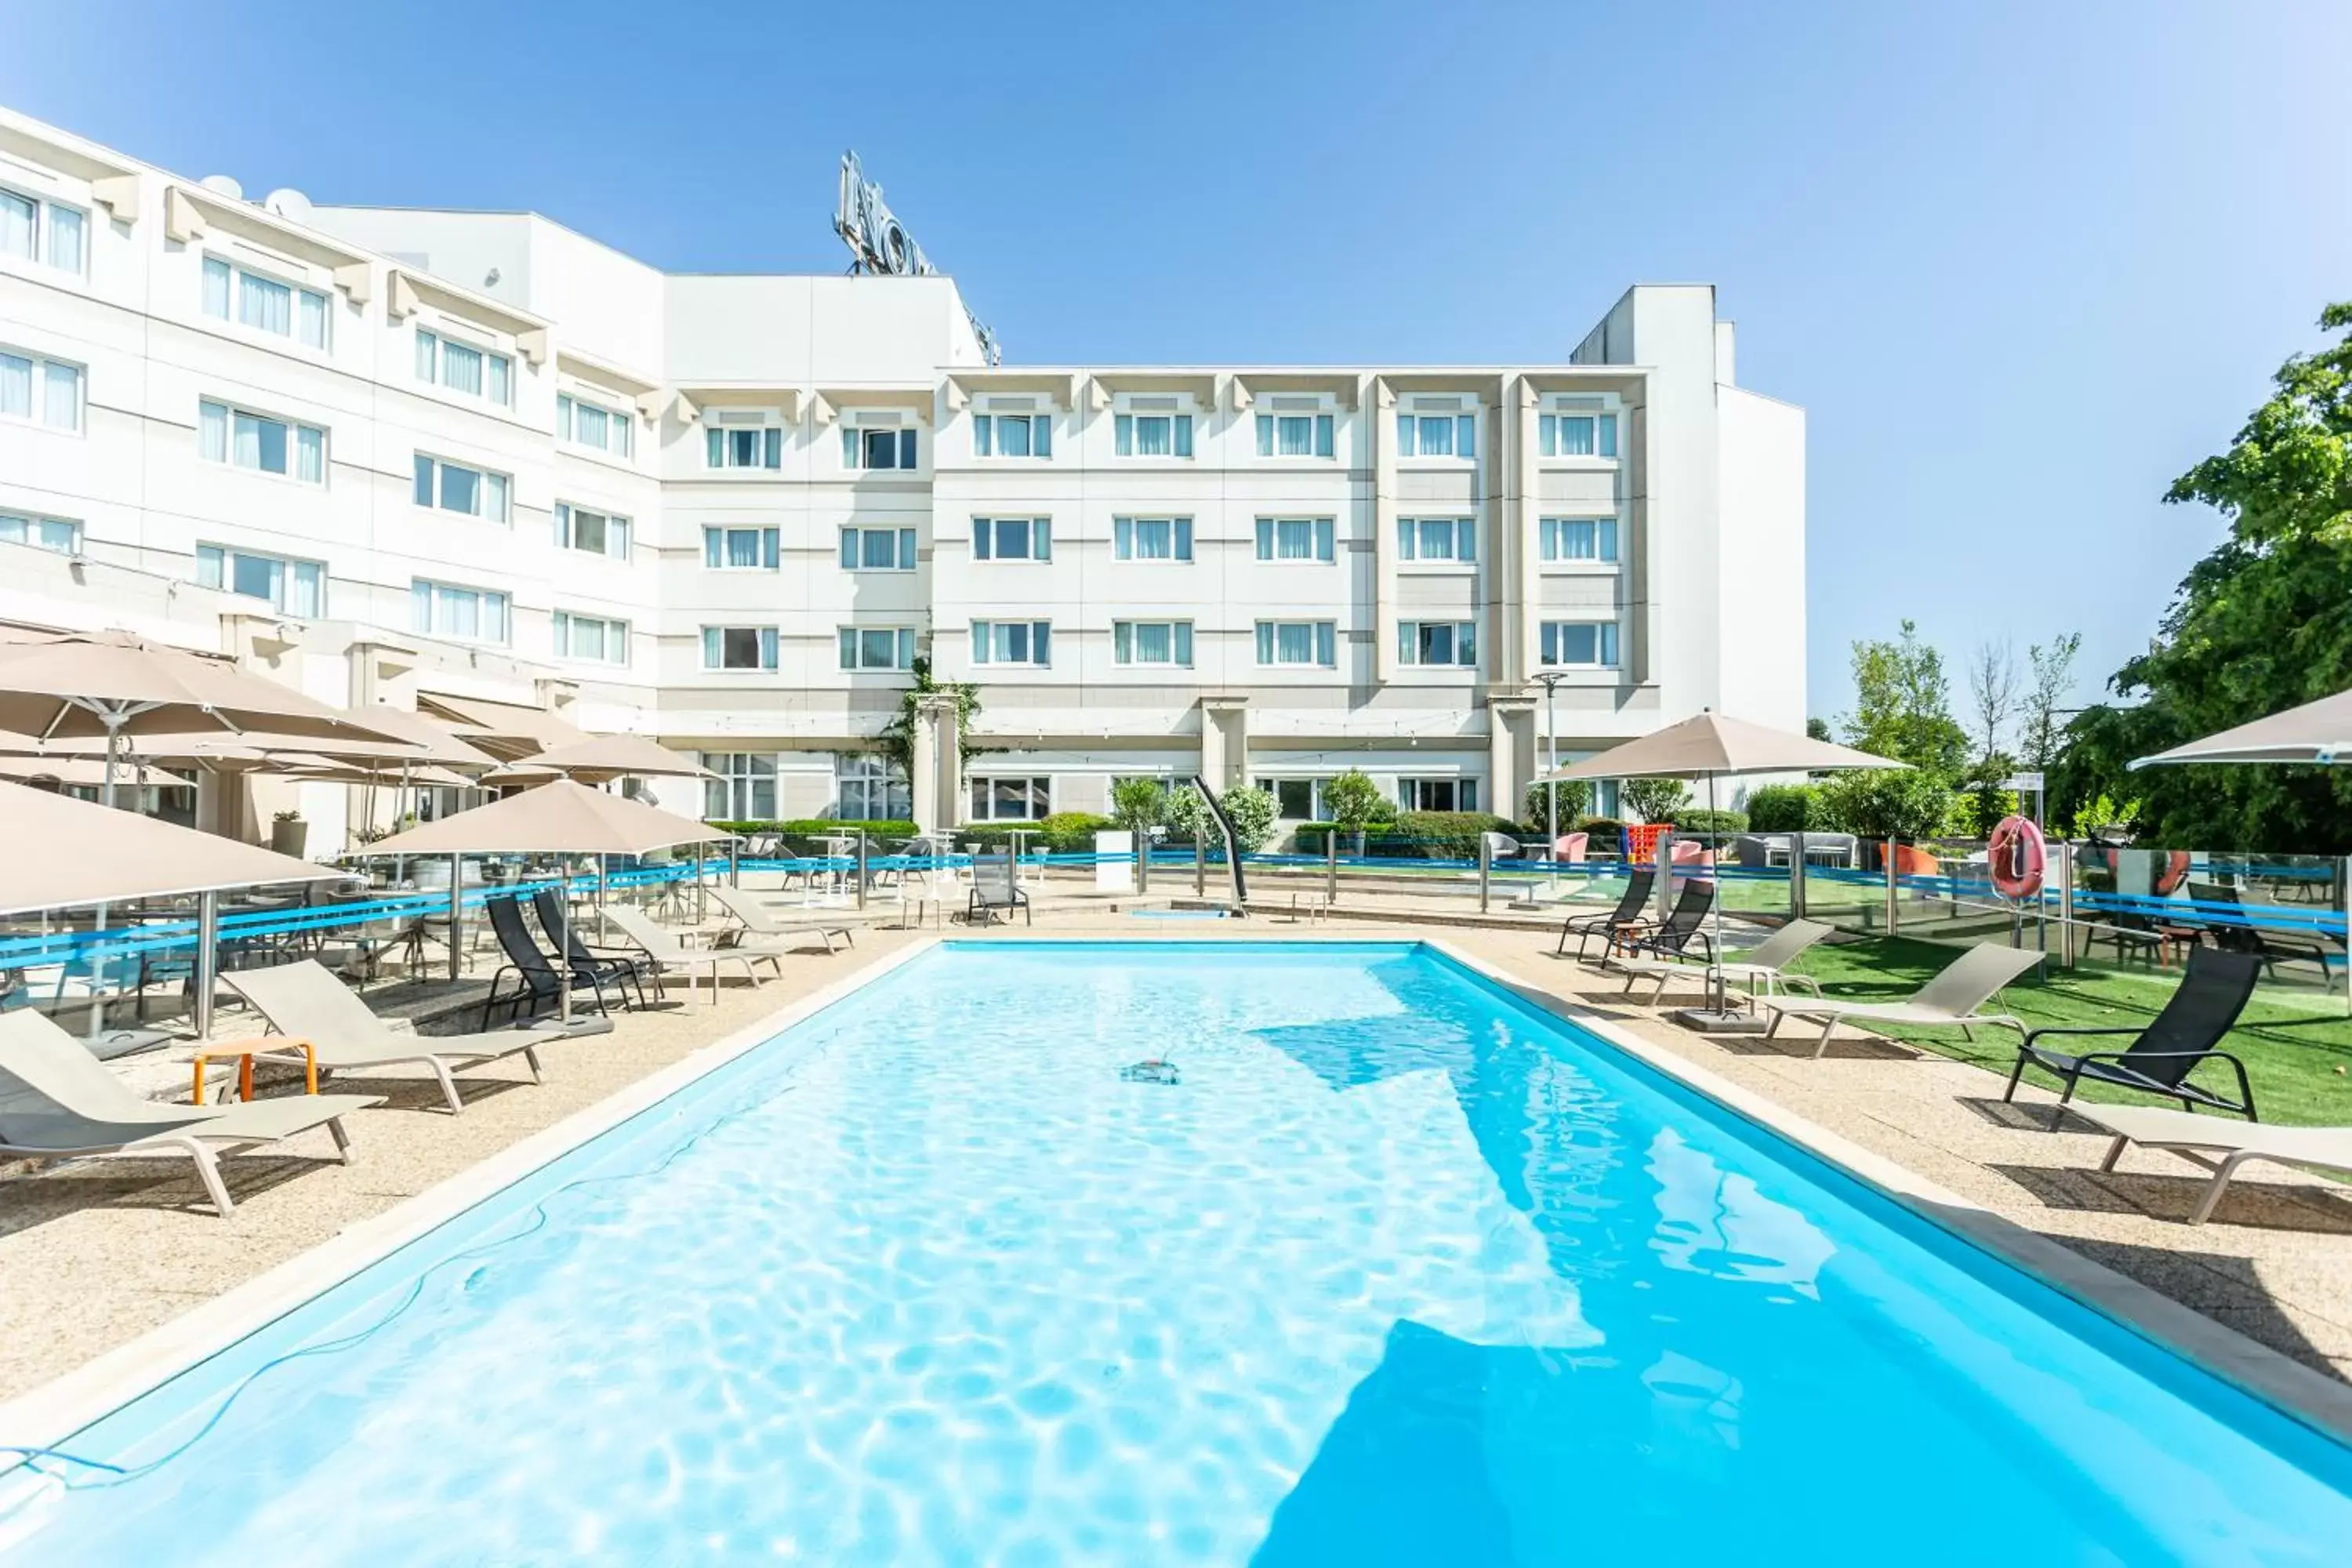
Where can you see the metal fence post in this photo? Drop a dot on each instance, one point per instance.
(1485, 869)
(735, 863)
(457, 914)
(1332, 865)
(2066, 902)
(200, 974)
(1142, 860)
(1893, 916)
(861, 868)
(1200, 865)
(1796, 875)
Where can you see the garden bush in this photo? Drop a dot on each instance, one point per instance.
(1887, 802)
(1447, 835)
(1605, 835)
(1699, 820)
(1786, 808)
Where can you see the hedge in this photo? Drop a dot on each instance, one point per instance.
(1063, 833)
(1786, 808)
(802, 834)
(1697, 820)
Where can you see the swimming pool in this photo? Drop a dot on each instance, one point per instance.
(1400, 1270)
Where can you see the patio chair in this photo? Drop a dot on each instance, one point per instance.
(63, 1104)
(1950, 1000)
(2200, 1139)
(994, 887)
(669, 950)
(1638, 883)
(1675, 935)
(1763, 966)
(621, 969)
(2200, 1012)
(2235, 933)
(305, 1002)
(762, 922)
(536, 978)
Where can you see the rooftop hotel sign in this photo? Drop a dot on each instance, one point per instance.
(878, 243)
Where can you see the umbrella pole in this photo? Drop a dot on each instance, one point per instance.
(1714, 910)
(564, 950)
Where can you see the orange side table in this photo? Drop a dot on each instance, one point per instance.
(244, 1050)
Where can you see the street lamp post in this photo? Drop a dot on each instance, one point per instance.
(1549, 680)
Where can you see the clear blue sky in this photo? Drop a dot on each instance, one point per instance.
(2023, 263)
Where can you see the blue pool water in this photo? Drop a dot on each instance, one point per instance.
(1400, 1271)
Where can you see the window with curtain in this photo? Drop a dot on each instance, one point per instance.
(459, 487)
(876, 647)
(877, 550)
(592, 639)
(995, 798)
(1294, 435)
(463, 368)
(1437, 539)
(52, 533)
(742, 549)
(1437, 642)
(1297, 539)
(1011, 539)
(758, 447)
(1576, 434)
(744, 787)
(1152, 538)
(1151, 642)
(34, 229)
(1012, 436)
(1137, 435)
(1577, 538)
(591, 532)
(1437, 434)
(46, 392)
(460, 612)
(740, 648)
(1437, 795)
(225, 434)
(584, 424)
(291, 587)
(1298, 642)
(878, 448)
(1013, 642)
(1573, 643)
(868, 788)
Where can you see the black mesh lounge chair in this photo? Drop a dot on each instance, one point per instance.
(1681, 928)
(536, 982)
(995, 885)
(624, 968)
(2209, 997)
(1638, 883)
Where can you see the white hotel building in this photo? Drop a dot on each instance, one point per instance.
(461, 459)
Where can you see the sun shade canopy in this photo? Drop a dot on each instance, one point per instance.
(558, 818)
(605, 757)
(2317, 732)
(63, 852)
(1712, 744)
(53, 687)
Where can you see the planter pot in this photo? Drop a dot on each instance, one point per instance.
(288, 837)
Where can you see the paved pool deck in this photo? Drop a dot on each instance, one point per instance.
(95, 1254)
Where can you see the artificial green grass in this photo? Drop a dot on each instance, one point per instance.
(2301, 1075)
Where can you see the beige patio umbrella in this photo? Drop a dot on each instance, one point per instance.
(2319, 733)
(88, 772)
(114, 683)
(562, 817)
(600, 759)
(1710, 746)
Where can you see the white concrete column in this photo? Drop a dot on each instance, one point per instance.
(936, 720)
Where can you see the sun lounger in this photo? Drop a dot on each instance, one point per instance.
(670, 950)
(761, 921)
(305, 1002)
(1764, 966)
(2199, 1015)
(1950, 1000)
(65, 1104)
(1683, 926)
(537, 979)
(1639, 881)
(2218, 1145)
(995, 886)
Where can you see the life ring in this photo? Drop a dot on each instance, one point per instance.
(2017, 855)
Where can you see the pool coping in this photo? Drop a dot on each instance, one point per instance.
(54, 1411)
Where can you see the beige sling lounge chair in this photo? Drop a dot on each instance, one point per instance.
(64, 1103)
(304, 1000)
(2219, 1144)
(1951, 999)
(670, 950)
(1764, 967)
(765, 920)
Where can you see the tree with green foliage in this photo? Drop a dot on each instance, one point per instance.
(1656, 799)
(1574, 796)
(1351, 799)
(2262, 622)
(1818, 729)
(1139, 805)
(1887, 802)
(2050, 675)
(1902, 706)
(897, 741)
(1253, 812)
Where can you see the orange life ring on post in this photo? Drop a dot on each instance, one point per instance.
(2017, 855)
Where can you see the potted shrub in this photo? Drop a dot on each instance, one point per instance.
(288, 833)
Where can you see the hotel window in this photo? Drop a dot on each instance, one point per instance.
(1012, 799)
(1592, 644)
(1437, 795)
(1011, 539)
(454, 487)
(1297, 800)
(998, 435)
(594, 532)
(265, 303)
(1437, 539)
(744, 789)
(877, 550)
(41, 532)
(1013, 642)
(1298, 642)
(585, 424)
(1576, 434)
(40, 391)
(1145, 431)
(1437, 642)
(292, 587)
(1577, 538)
(32, 229)
(753, 447)
(592, 639)
(1423, 431)
(463, 367)
(738, 647)
(1152, 538)
(742, 549)
(452, 610)
(258, 442)
(870, 443)
(1299, 433)
(867, 789)
(1151, 642)
(876, 647)
(1296, 539)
